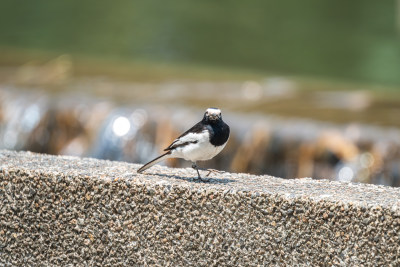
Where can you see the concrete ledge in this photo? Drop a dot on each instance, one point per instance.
(66, 210)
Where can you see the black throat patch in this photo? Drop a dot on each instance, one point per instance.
(219, 133)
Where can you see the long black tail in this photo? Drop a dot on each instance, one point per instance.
(154, 161)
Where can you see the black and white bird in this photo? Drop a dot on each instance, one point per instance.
(201, 142)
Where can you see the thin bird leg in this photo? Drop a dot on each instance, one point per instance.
(213, 170)
(194, 166)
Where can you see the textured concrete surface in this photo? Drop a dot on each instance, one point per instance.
(77, 212)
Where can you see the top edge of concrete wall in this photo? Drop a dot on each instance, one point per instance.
(363, 195)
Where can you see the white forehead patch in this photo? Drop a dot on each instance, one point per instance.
(215, 111)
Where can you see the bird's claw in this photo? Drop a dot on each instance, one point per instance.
(194, 166)
(213, 170)
(200, 179)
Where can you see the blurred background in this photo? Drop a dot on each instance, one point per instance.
(309, 88)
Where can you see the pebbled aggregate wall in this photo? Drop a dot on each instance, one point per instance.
(67, 211)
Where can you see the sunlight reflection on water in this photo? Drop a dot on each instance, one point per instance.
(86, 126)
(121, 126)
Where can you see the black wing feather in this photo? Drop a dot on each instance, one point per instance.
(198, 128)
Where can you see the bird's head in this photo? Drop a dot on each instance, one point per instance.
(212, 115)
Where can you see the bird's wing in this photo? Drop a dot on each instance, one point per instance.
(190, 136)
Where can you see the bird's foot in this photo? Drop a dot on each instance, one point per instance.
(214, 171)
(194, 166)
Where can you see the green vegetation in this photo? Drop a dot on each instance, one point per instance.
(345, 40)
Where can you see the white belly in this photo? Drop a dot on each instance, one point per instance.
(202, 150)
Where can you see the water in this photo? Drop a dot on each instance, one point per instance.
(44, 110)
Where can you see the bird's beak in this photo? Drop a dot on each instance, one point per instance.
(213, 117)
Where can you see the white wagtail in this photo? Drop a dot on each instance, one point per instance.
(201, 142)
